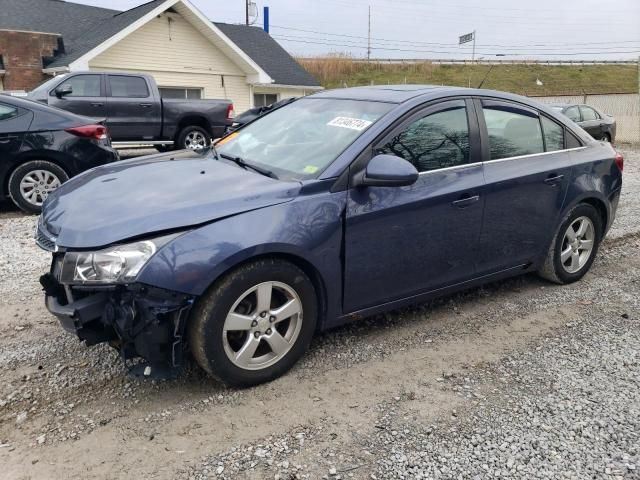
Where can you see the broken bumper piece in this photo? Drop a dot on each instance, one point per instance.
(138, 320)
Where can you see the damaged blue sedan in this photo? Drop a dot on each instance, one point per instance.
(337, 206)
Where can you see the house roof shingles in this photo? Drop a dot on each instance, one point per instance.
(268, 54)
(84, 27)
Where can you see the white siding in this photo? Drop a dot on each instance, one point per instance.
(177, 55)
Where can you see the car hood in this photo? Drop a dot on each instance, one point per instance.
(152, 194)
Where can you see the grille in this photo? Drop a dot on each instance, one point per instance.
(44, 240)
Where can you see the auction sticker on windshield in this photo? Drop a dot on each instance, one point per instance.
(352, 123)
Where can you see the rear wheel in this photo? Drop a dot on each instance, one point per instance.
(575, 245)
(254, 324)
(33, 181)
(194, 138)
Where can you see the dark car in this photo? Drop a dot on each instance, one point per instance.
(340, 205)
(597, 124)
(256, 112)
(135, 110)
(41, 147)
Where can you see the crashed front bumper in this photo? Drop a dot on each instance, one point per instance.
(137, 319)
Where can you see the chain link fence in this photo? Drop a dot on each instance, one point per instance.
(624, 107)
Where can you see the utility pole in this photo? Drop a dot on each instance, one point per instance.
(369, 37)
(473, 54)
(247, 11)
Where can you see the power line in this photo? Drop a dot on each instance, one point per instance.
(409, 12)
(295, 39)
(453, 44)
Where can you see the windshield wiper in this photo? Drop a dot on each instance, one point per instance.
(244, 164)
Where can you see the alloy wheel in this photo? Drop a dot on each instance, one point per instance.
(36, 185)
(195, 140)
(262, 325)
(577, 244)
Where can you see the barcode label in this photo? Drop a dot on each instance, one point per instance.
(352, 123)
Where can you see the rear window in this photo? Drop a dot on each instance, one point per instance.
(512, 133)
(7, 112)
(128, 87)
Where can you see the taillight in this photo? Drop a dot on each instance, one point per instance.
(231, 113)
(619, 159)
(97, 132)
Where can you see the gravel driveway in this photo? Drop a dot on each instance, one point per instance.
(519, 379)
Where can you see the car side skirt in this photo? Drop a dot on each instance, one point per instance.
(433, 294)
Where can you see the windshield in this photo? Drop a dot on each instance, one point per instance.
(46, 86)
(300, 140)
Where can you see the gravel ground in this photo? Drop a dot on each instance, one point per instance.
(519, 379)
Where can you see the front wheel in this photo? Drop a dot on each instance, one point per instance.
(33, 181)
(575, 245)
(194, 138)
(255, 324)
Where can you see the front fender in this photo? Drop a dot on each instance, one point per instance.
(309, 228)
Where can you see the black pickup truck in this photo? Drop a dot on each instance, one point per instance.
(135, 112)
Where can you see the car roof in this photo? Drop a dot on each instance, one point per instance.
(404, 93)
(382, 93)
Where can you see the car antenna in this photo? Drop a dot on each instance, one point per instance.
(486, 75)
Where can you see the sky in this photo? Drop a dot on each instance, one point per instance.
(429, 29)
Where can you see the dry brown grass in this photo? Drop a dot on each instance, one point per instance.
(341, 70)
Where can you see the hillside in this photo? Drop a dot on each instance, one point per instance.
(335, 72)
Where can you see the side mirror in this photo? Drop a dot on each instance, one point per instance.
(387, 171)
(63, 90)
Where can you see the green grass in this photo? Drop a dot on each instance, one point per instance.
(335, 72)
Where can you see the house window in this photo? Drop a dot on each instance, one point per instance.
(263, 99)
(180, 92)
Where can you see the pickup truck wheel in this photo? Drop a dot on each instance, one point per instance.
(255, 323)
(33, 181)
(194, 138)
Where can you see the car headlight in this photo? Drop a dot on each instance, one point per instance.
(117, 264)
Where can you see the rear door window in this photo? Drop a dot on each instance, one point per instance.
(128, 87)
(513, 131)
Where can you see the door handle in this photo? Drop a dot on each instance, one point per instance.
(553, 179)
(97, 104)
(465, 201)
(146, 105)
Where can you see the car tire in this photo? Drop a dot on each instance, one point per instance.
(606, 137)
(571, 255)
(30, 183)
(239, 342)
(194, 138)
